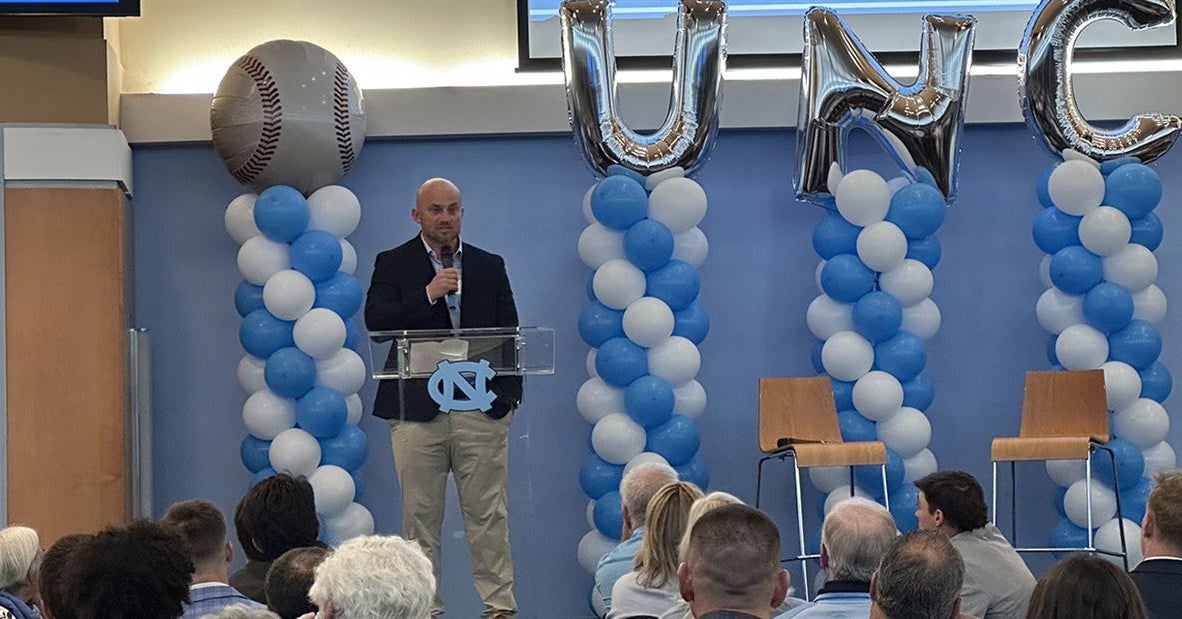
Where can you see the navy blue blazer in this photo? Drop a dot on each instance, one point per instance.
(1159, 581)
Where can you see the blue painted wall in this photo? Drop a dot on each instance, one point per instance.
(523, 197)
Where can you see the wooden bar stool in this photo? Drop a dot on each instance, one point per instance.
(798, 420)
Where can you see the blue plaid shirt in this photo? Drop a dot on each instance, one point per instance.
(211, 598)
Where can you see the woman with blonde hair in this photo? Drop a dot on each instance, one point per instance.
(651, 587)
(20, 565)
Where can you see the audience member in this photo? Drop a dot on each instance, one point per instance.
(290, 577)
(130, 572)
(203, 528)
(732, 568)
(651, 587)
(20, 564)
(636, 489)
(276, 515)
(1087, 587)
(920, 577)
(374, 576)
(1159, 576)
(997, 583)
(55, 595)
(854, 537)
(242, 611)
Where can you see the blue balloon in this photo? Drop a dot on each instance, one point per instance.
(340, 293)
(1133, 188)
(1133, 499)
(902, 356)
(1147, 231)
(616, 169)
(353, 334)
(677, 439)
(649, 401)
(1110, 166)
(358, 485)
(856, 428)
(619, 201)
(692, 323)
(281, 213)
(1138, 344)
(1067, 535)
(1130, 464)
(1108, 307)
(248, 298)
(261, 334)
(1052, 355)
(591, 288)
(598, 477)
(918, 210)
(255, 453)
(676, 284)
(606, 514)
(834, 235)
(927, 251)
(322, 412)
(599, 323)
(904, 502)
(869, 476)
(1156, 382)
(348, 449)
(815, 357)
(1055, 230)
(878, 315)
(261, 475)
(1043, 189)
(846, 278)
(619, 362)
(1075, 270)
(695, 472)
(648, 244)
(922, 175)
(317, 254)
(919, 392)
(843, 394)
(289, 372)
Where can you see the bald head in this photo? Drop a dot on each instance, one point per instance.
(640, 484)
(437, 189)
(854, 538)
(439, 211)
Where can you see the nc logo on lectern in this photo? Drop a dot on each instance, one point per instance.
(453, 376)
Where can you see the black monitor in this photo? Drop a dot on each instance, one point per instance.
(111, 8)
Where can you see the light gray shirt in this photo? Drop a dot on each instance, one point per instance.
(630, 598)
(997, 583)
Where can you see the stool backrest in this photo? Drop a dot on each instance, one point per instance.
(1056, 404)
(796, 410)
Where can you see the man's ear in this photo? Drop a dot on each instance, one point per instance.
(938, 517)
(1147, 525)
(783, 582)
(685, 582)
(229, 553)
(824, 557)
(956, 608)
(257, 546)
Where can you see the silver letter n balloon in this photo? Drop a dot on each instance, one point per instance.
(843, 86)
(1044, 74)
(589, 66)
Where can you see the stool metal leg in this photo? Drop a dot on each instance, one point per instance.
(1088, 487)
(804, 563)
(994, 491)
(1014, 501)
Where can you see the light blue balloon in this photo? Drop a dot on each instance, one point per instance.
(1075, 270)
(322, 413)
(1052, 354)
(619, 201)
(619, 362)
(856, 428)
(261, 334)
(255, 453)
(317, 254)
(289, 372)
(846, 278)
(902, 355)
(1156, 382)
(869, 477)
(648, 244)
(248, 298)
(1055, 230)
(598, 477)
(677, 440)
(904, 502)
(1108, 307)
(358, 485)
(817, 358)
(1043, 189)
(649, 401)
(261, 475)
(281, 213)
(843, 394)
(1067, 535)
(1130, 464)
(616, 169)
(1110, 166)
(1138, 344)
(1147, 231)
(695, 472)
(353, 334)
(919, 392)
(692, 323)
(608, 517)
(676, 284)
(1133, 188)
(599, 323)
(347, 449)
(1133, 499)
(340, 293)
(878, 315)
(918, 209)
(927, 251)
(834, 235)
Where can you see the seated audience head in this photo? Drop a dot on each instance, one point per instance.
(242, 611)
(854, 537)
(733, 563)
(919, 578)
(664, 525)
(1086, 587)
(638, 487)
(374, 576)
(20, 562)
(55, 591)
(952, 502)
(276, 515)
(290, 577)
(131, 572)
(700, 507)
(1161, 530)
(203, 528)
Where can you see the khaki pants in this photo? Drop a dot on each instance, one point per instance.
(475, 448)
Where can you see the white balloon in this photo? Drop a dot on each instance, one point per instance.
(599, 244)
(334, 209)
(847, 356)
(250, 374)
(617, 439)
(588, 214)
(907, 432)
(597, 399)
(863, 197)
(1149, 304)
(827, 316)
(240, 218)
(840, 494)
(689, 399)
(1070, 154)
(1076, 187)
(676, 360)
(320, 333)
(1076, 506)
(1160, 457)
(878, 395)
(834, 178)
(830, 478)
(910, 282)
(353, 521)
(922, 319)
(1108, 538)
(691, 247)
(355, 408)
(646, 457)
(592, 548)
(348, 257)
(656, 178)
(617, 283)
(259, 258)
(1044, 272)
(1133, 266)
(919, 466)
(343, 372)
(1081, 347)
(1066, 472)
(332, 488)
(1143, 423)
(266, 414)
(882, 246)
(1105, 230)
(590, 362)
(648, 321)
(295, 452)
(679, 203)
(1057, 310)
(1122, 384)
(289, 294)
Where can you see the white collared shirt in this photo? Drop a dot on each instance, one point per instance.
(456, 263)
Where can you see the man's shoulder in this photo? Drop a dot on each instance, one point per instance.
(472, 251)
(1159, 566)
(408, 246)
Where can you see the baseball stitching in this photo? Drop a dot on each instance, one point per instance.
(340, 114)
(268, 141)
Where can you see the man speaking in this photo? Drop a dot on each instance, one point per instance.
(434, 281)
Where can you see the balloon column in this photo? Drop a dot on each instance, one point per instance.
(298, 295)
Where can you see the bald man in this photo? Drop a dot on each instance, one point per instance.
(417, 286)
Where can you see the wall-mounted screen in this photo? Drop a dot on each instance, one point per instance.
(72, 7)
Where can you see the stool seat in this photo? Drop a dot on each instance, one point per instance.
(809, 455)
(1019, 448)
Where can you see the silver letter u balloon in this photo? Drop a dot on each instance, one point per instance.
(590, 72)
(1044, 74)
(843, 86)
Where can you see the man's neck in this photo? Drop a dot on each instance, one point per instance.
(764, 613)
(1153, 550)
(221, 576)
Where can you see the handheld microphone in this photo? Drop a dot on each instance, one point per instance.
(445, 258)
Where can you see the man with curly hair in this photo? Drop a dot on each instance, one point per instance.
(130, 572)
